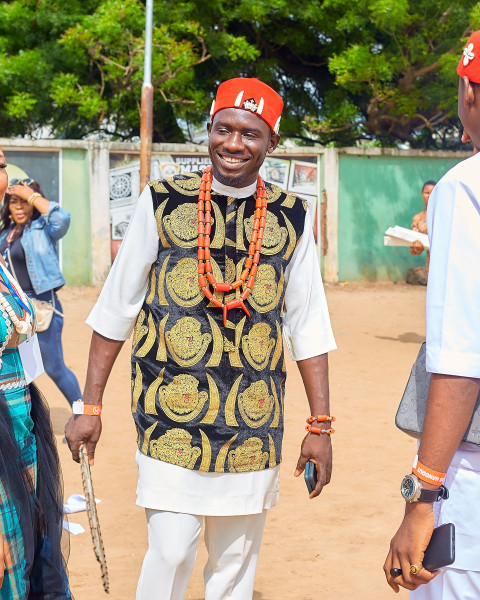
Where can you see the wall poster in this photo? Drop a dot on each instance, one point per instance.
(297, 174)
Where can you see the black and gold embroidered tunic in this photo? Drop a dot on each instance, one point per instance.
(205, 396)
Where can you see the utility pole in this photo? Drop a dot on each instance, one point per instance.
(146, 111)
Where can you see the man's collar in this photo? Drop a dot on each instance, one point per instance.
(227, 190)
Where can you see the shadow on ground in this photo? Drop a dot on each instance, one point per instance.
(405, 338)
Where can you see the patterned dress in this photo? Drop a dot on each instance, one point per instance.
(17, 396)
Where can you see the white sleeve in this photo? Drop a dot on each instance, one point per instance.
(306, 322)
(453, 292)
(122, 296)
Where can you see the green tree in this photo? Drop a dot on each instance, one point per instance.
(378, 70)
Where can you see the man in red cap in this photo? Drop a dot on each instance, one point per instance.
(453, 358)
(226, 264)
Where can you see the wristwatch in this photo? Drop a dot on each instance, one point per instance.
(412, 491)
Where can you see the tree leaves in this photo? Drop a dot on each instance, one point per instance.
(349, 71)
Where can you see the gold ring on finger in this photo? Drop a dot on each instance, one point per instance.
(415, 569)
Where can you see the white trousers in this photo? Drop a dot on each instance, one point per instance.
(451, 584)
(233, 544)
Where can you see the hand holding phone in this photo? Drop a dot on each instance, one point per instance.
(440, 551)
(311, 477)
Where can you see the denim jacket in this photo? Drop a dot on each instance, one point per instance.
(39, 241)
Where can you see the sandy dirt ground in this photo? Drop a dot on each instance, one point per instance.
(332, 547)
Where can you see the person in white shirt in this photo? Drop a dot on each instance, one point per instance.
(453, 358)
(213, 268)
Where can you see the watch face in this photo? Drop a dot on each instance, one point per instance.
(408, 487)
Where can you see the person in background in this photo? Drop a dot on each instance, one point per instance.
(31, 503)
(31, 227)
(418, 275)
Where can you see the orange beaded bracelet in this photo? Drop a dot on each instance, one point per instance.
(320, 419)
(319, 431)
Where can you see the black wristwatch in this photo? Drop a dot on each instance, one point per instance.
(412, 491)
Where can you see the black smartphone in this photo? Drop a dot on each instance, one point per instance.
(440, 551)
(310, 476)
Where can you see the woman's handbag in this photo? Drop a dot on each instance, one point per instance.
(411, 411)
(43, 310)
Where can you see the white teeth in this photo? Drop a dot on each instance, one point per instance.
(231, 160)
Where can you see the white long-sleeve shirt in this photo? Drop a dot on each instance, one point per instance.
(307, 332)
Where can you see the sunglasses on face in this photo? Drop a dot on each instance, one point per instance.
(26, 181)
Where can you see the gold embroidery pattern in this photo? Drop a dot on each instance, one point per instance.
(186, 343)
(276, 416)
(151, 395)
(255, 404)
(247, 457)
(217, 350)
(273, 193)
(139, 331)
(219, 235)
(289, 201)
(182, 225)
(214, 405)
(234, 354)
(278, 348)
(158, 217)
(182, 283)
(272, 460)
(153, 284)
(147, 346)
(266, 294)
(292, 235)
(186, 187)
(240, 241)
(162, 349)
(257, 346)
(180, 400)
(305, 205)
(162, 299)
(230, 418)
(222, 455)
(146, 438)
(136, 387)
(271, 236)
(158, 186)
(206, 453)
(175, 447)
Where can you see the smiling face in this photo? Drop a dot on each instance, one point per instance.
(3, 174)
(238, 142)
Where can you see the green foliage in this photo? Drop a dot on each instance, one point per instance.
(375, 71)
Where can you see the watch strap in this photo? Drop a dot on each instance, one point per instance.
(433, 495)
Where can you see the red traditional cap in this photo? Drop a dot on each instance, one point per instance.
(469, 64)
(252, 95)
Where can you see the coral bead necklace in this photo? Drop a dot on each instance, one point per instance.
(205, 274)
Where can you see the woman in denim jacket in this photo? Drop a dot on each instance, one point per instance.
(31, 227)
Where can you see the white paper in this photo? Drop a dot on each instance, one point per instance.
(31, 358)
(74, 528)
(401, 236)
(76, 503)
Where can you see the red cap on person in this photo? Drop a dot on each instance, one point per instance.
(252, 95)
(469, 64)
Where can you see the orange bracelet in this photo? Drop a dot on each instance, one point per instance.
(80, 408)
(426, 474)
(320, 419)
(319, 431)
